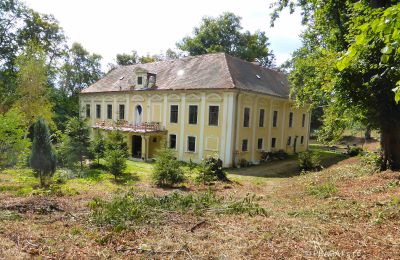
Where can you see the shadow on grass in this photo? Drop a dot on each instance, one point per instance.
(285, 168)
(126, 178)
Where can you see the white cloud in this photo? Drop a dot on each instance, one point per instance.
(111, 27)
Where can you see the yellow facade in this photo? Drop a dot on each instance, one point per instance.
(224, 137)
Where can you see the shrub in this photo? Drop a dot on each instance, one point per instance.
(134, 208)
(373, 160)
(116, 162)
(354, 151)
(167, 169)
(243, 163)
(211, 170)
(309, 161)
(116, 153)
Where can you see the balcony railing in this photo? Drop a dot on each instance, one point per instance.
(125, 126)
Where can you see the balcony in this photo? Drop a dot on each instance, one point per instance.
(125, 126)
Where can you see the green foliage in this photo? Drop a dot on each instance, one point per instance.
(76, 143)
(354, 151)
(349, 64)
(42, 160)
(130, 208)
(373, 160)
(211, 170)
(19, 27)
(14, 148)
(322, 190)
(309, 161)
(98, 147)
(32, 89)
(80, 70)
(167, 169)
(223, 34)
(116, 153)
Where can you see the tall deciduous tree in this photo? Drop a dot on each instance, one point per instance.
(80, 70)
(344, 63)
(32, 90)
(42, 160)
(224, 34)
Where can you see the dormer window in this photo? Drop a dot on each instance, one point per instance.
(139, 80)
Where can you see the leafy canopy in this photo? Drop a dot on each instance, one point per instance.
(224, 34)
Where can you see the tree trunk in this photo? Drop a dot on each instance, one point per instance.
(367, 134)
(41, 177)
(391, 148)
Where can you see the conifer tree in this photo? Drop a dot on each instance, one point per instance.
(42, 160)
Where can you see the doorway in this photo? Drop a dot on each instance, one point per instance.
(136, 146)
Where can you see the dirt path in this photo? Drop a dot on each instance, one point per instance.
(278, 169)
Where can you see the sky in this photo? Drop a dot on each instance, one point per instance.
(108, 27)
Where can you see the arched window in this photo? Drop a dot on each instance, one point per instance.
(138, 114)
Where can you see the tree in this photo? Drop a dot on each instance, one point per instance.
(42, 160)
(224, 34)
(127, 59)
(77, 141)
(19, 27)
(167, 170)
(98, 147)
(14, 147)
(32, 88)
(347, 63)
(80, 70)
(116, 153)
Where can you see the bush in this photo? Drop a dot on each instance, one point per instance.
(354, 151)
(116, 162)
(309, 161)
(243, 163)
(167, 169)
(211, 170)
(373, 160)
(133, 208)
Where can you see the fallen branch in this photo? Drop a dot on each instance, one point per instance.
(197, 225)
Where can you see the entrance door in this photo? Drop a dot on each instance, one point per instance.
(136, 146)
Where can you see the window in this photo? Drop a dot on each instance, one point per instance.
(289, 140)
(87, 110)
(191, 144)
(290, 119)
(245, 145)
(174, 114)
(121, 112)
(275, 119)
(273, 142)
(261, 119)
(98, 111)
(213, 115)
(303, 120)
(139, 80)
(172, 141)
(260, 144)
(246, 117)
(192, 115)
(301, 139)
(109, 111)
(154, 139)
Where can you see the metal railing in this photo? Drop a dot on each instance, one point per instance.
(124, 125)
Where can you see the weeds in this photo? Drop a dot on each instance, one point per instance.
(323, 190)
(132, 208)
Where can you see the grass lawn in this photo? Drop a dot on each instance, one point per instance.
(344, 211)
